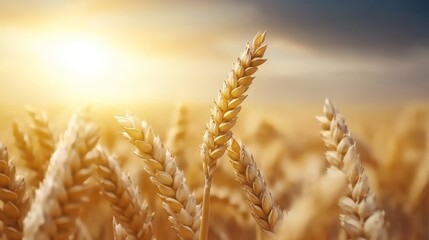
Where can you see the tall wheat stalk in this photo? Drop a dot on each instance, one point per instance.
(62, 193)
(360, 217)
(170, 181)
(13, 196)
(224, 116)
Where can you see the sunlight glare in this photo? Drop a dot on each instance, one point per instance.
(82, 65)
(80, 57)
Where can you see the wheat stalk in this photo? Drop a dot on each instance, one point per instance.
(62, 193)
(360, 217)
(224, 116)
(130, 210)
(170, 181)
(258, 197)
(13, 196)
(25, 148)
(44, 135)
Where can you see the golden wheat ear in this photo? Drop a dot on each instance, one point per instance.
(360, 217)
(227, 104)
(130, 210)
(13, 196)
(258, 197)
(170, 181)
(224, 115)
(43, 133)
(27, 155)
(62, 194)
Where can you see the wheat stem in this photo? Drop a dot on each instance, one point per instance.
(206, 207)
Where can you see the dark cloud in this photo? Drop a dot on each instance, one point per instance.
(386, 26)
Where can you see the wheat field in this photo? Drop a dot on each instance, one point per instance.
(231, 171)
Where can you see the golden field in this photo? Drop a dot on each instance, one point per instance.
(285, 140)
(117, 121)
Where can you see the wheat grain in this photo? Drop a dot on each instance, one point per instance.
(168, 178)
(258, 197)
(130, 210)
(360, 217)
(224, 115)
(61, 195)
(119, 232)
(13, 196)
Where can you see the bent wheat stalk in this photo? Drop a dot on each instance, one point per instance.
(62, 193)
(224, 116)
(360, 217)
(130, 210)
(258, 197)
(170, 181)
(13, 196)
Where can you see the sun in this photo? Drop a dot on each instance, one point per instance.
(79, 56)
(82, 66)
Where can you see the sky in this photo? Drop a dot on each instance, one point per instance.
(120, 51)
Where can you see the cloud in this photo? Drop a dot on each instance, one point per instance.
(386, 27)
(341, 49)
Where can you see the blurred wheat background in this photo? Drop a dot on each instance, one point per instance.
(165, 62)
